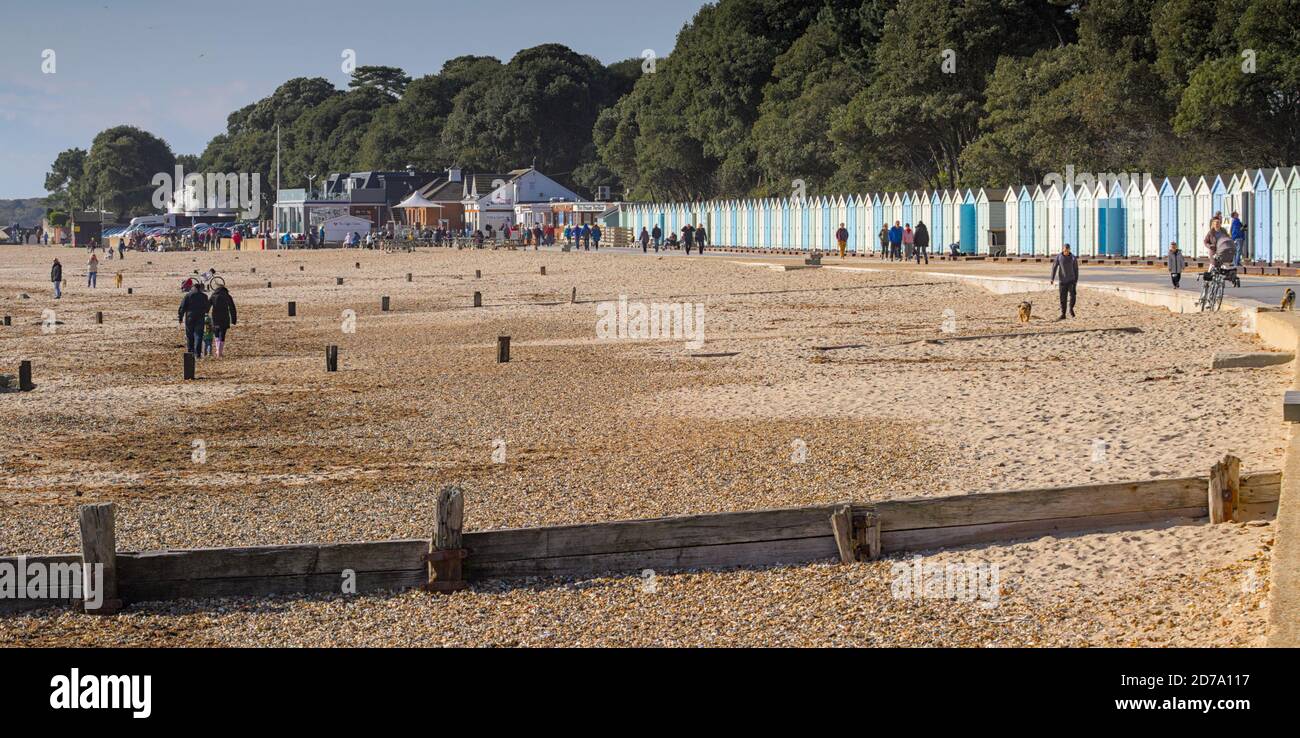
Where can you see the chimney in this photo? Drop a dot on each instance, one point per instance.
(453, 174)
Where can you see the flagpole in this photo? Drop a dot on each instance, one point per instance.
(276, 213)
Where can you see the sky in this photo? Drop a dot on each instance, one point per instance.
(177, 69)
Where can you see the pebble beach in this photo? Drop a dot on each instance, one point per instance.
(582, 428)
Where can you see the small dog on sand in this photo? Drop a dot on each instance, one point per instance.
(1025, 309)
(1288, 299)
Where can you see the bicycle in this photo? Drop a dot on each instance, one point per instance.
(1212, 286)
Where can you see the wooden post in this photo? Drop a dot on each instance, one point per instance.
(408, 276)
(445, 547)
(338, 280)
(478, 273)
(268, 285)
(573, 296)
(383, 303)
(866, 536)
(99, 559)
(331, 358)
(293, 308)
(1225, 487)
(543, 271)
(503, 349)
(99, 317)
(478, 299)
(301, 268)
(188, 366)
(130, 290)
(25, 376)
(8, 320)
(253, 270)
(842, 527)
(358, 265)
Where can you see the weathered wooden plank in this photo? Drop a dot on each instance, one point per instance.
(260, 561)
(758, 553)
(1256, 511)
(1041, 504)
(842, 528)
(918, 539)
(172, 589)
(1265, 486)
(648, 534)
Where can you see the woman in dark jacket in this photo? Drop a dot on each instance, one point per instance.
(921, 242)
(223, 316)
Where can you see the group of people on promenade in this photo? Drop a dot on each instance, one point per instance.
(693, 236)
(899, 242)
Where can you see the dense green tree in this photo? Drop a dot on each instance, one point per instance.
(120, 168)
(388, 80)
(63, 181)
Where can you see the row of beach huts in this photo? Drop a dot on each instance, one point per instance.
(1098, 215)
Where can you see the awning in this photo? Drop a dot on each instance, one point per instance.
(416, 200)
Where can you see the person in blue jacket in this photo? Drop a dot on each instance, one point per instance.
(1238, 238)
(896, 242)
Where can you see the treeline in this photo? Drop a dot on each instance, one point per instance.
(893, 94)
(762, 96)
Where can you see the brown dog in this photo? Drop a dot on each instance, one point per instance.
(1288, 299)
(1025, 309)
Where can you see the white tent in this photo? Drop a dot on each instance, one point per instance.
(416, 200)
(337, 229)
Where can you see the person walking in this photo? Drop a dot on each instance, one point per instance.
(92, 270)
(884, 242)
(1238, 235)
(56, 276)
(688, 238)
(193, 308)
(701, 238)
(657, 235)
(1066, 267)
(921, 242)
(908, 239)
(842, 239)
(595, 236)
(1176, 263)
(223, 315)
(645, 240)
(896, 242)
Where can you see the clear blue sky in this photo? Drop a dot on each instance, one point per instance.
(178, 68)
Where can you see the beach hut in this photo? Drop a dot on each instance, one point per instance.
(1186, 216)
(1293, 214)
(935, 223)
(1025, 221)
(1112, 214)
(1011, 206)
(1244, 203)
(806, 221)
(1204, 211)
(968, 224)
(1168, 215)
(1150, 218)
(1261, 216)
(1133, 214)
(780, 223)
(1280, 245)
(954, 214)
(1086, 217)
(1055, 216)
(1039, 202)
(991, 220)
(922, 209)
(906, 215)
(1070, 219)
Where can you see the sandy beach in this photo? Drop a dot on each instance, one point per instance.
(595, 429)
